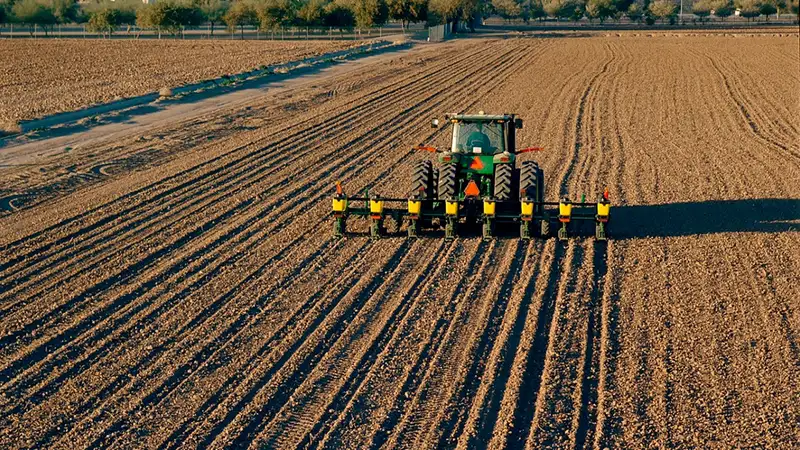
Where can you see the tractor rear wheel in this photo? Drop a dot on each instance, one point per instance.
(503, 175)
(447, 182)
(422, 180)
(529, 185)
(540, 174)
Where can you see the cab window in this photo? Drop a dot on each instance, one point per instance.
(478, 137)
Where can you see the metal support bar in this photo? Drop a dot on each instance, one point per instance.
(413, 228)
(600, 231)
(450, 229)
(525, 229)
(562, 232)
(488, 228)
(376, 229)
(339, 226)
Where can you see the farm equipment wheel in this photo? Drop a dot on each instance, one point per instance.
(422, 180)
(540, 175)
(503, 174)
(447, 182)
(529, 181)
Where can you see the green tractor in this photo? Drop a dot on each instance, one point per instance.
(477, 181)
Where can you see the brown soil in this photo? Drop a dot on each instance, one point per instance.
(198, 299)
(42, 77)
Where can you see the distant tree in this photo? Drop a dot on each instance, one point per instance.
(145, 18)
(561, 8)
(339, 16)
(564, 9)
(662, 9)
(65, 11)
(722, 8)
(782, 6)
(794, 7)
(408, 11)
(537, 10)
(213, 11)
(600, 9)
(33, 13)
(702, 9)
(168, 16)
(768, 7)
(103, 21)
(310, 13)
(622, 6)
(454, 11)
(749, 8)
(507, 9)
(370, 13)
(635, 12)
(273, 14)
(126, 12)
(3, 13)
(240, 14)
(443, 10)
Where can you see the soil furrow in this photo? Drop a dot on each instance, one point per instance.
(283, 206)
(332, 381)
(265, 167)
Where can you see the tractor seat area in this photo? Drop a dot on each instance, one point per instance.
(477, 137)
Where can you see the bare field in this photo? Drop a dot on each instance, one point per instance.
(42, 77)
(199, 300)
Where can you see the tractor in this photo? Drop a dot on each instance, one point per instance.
(477, 182)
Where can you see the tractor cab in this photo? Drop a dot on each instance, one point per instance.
(479, 137)
(483, 134)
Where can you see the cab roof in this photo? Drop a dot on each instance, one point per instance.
(479, 117)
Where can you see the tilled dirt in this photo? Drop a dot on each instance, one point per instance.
(201, 301)
(42, 77)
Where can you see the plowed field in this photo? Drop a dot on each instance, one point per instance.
(42, 77)
(199, 300)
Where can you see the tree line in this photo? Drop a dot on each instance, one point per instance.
(172, 16)
(648, 11)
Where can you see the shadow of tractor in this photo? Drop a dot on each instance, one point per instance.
(768, 215)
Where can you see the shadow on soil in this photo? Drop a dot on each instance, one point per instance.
(768, 215)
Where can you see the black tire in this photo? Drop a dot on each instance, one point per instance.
(447, 182)
(529, 180)
(541, 184)
(503, 177)
(422, 179)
